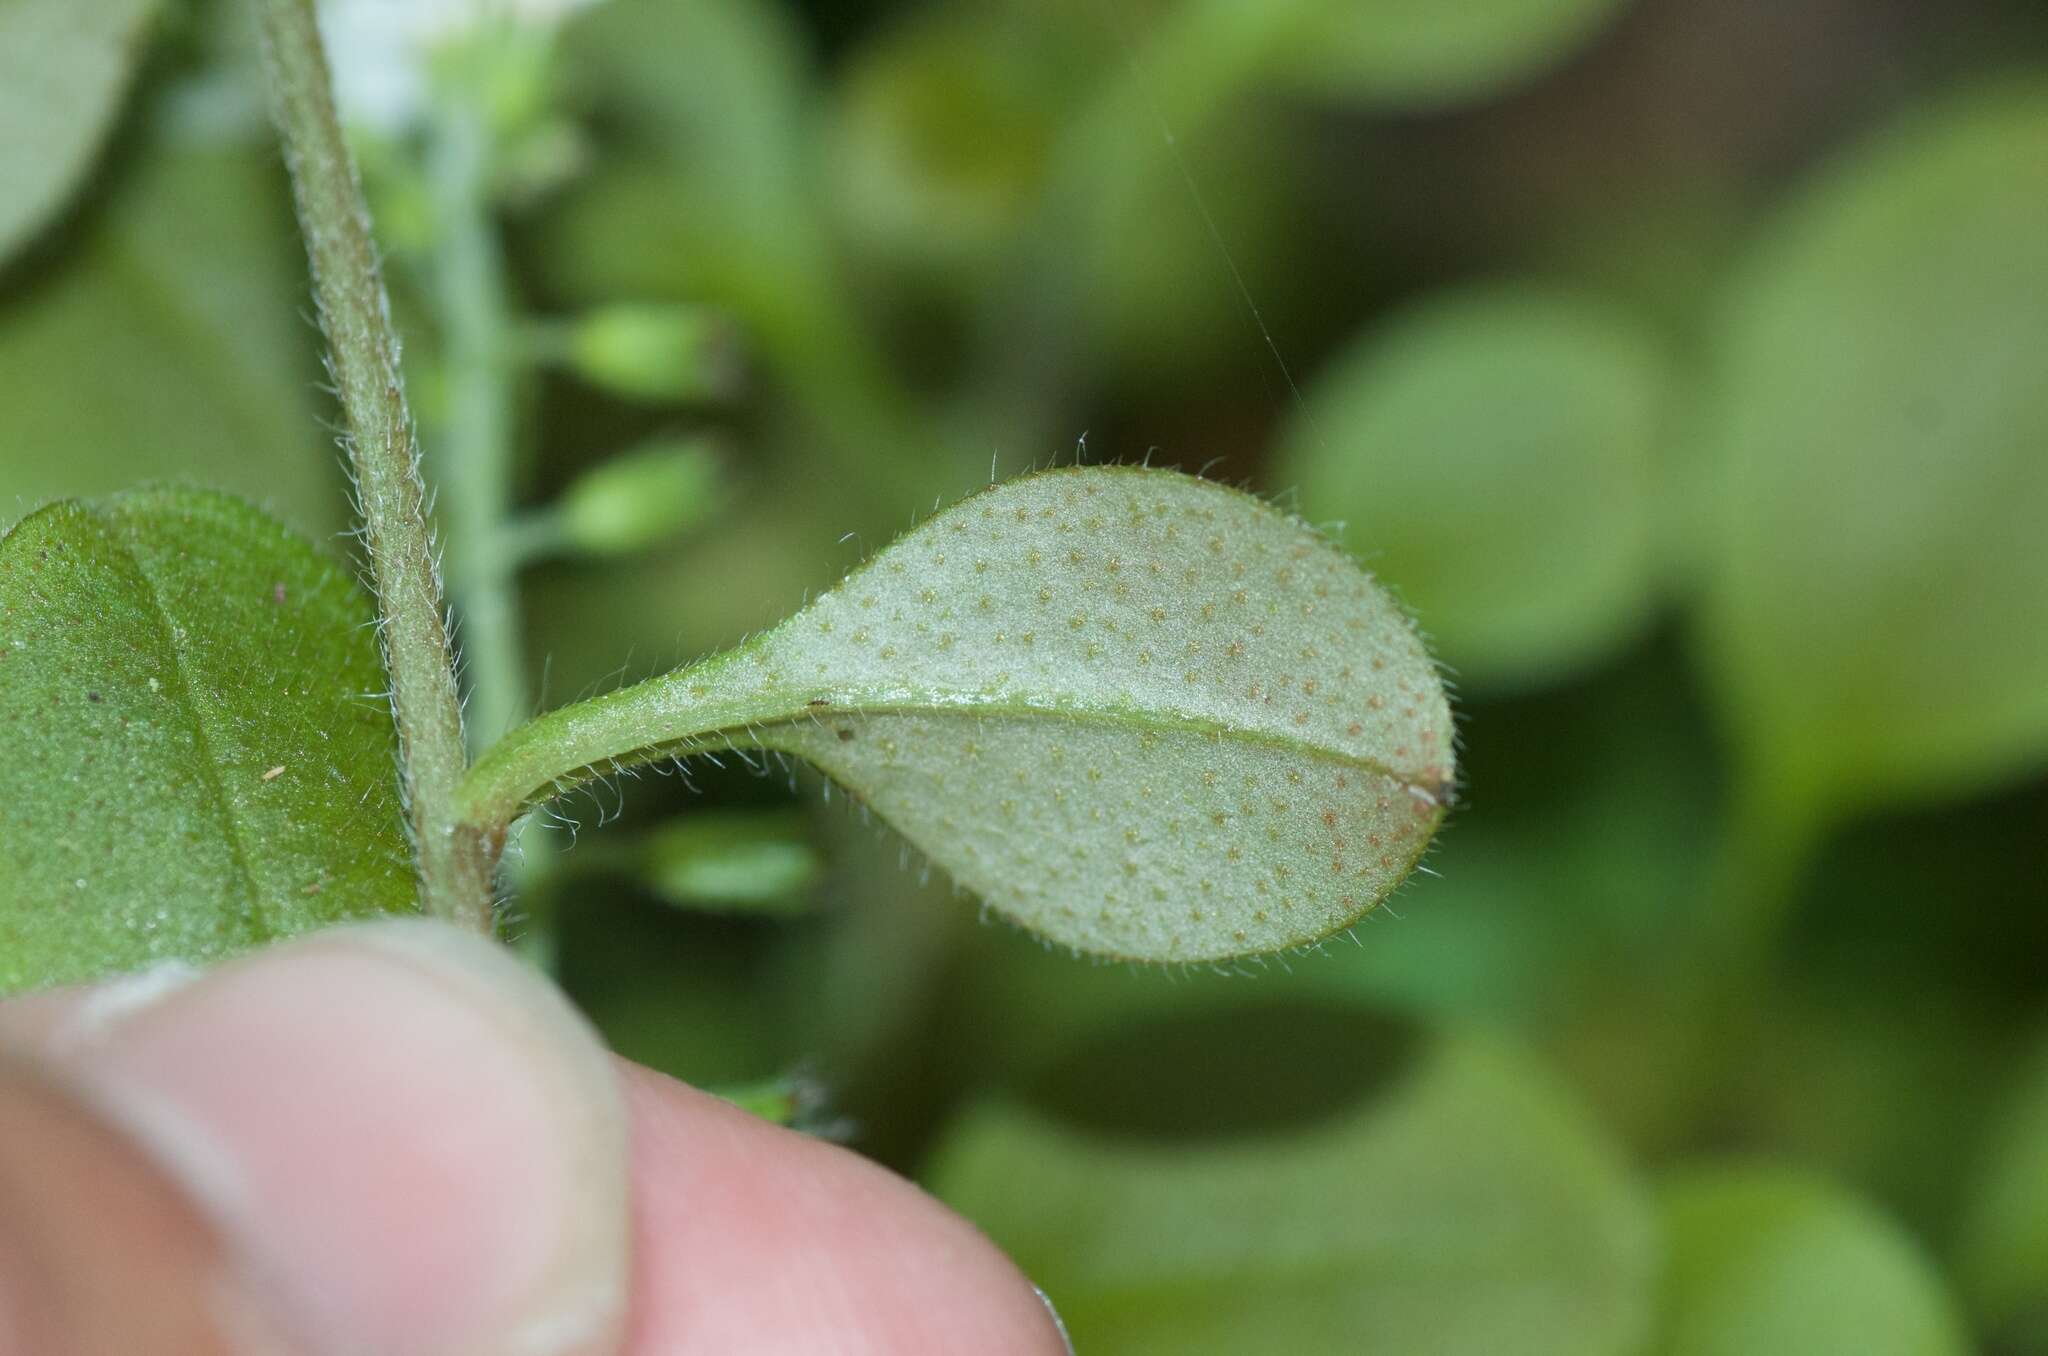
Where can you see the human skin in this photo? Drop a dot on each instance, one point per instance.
(395, 1139)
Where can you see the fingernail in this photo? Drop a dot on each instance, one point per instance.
(1060, 1324)
(412, 1143)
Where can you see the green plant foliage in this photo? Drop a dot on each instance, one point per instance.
(1141, 714)
(941, 135)
(2003, 1258)
(1463, 1207)
(1423, 53)
(170, 340)
(1877, 624)
(1764, 1258)
(193, 759)
(64, 65)
(1494, 450)
(754, 861)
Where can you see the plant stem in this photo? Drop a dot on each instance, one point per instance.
(455, 864)
(475, 444)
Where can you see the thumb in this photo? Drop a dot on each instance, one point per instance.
(387, 1138)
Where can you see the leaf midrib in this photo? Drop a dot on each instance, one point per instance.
(233, 831)
(750, 734)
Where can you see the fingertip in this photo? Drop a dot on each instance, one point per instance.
(750, 1237)
(411, 1143)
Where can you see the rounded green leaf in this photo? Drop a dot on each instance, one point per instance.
(1766, 1258)
(1877, 618)
(1141, 714)
(1494, 451)
(193, 755)
(2003, 1258)
(64, 65)
(740, 861)
(1422, 53)
(1465, 1208)
(171, 340)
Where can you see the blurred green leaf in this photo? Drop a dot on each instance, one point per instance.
(2002, 1260)
(64, 65)
(1425, 53)
(689, 992)
(1765, 1258)
(1141, 714)
(1462, 1208)
(1877, 618)
(940, 136)
(709, 190)
(173, 340)
(738, 860)
(192, 757)
(1494, 452)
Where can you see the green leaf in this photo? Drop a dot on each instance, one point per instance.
(751, 861)
(1764, 1258)
(1424, 53)
(1465, 1209)
(193, 757)
(1494, 451)
(2002, 1262)
(1877, 619)
(1140, 714)
(64, 65)
(172, 340)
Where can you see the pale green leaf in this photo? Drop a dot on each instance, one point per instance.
(1463, 1208)
(64, 66)
(1877, 621)
(753, 861)
(1763, 1258)
(194, 757)
(1424, 53)
(173, 340)
(1141, 714)
(1494, 451)
(2002, 1262)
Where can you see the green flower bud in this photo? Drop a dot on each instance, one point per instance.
(646, 351)
(641, 498)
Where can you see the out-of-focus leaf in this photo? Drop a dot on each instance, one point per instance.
(64, 65)
(192, 757)
(1765, 1258)
(688, 993)
(1424, 53)
(2003, 1258)
(1463, 1208)
(1141, 714)
(1877, 619)
(939, 142)
(732, 860)
(173, 341)
(710, 192)
(1494, 452)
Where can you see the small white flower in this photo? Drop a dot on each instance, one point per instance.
(378, 48)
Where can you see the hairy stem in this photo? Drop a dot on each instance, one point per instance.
(474, 451)
(454, 864)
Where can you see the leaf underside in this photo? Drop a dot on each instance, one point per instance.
(193, 759)
(1140, 714)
